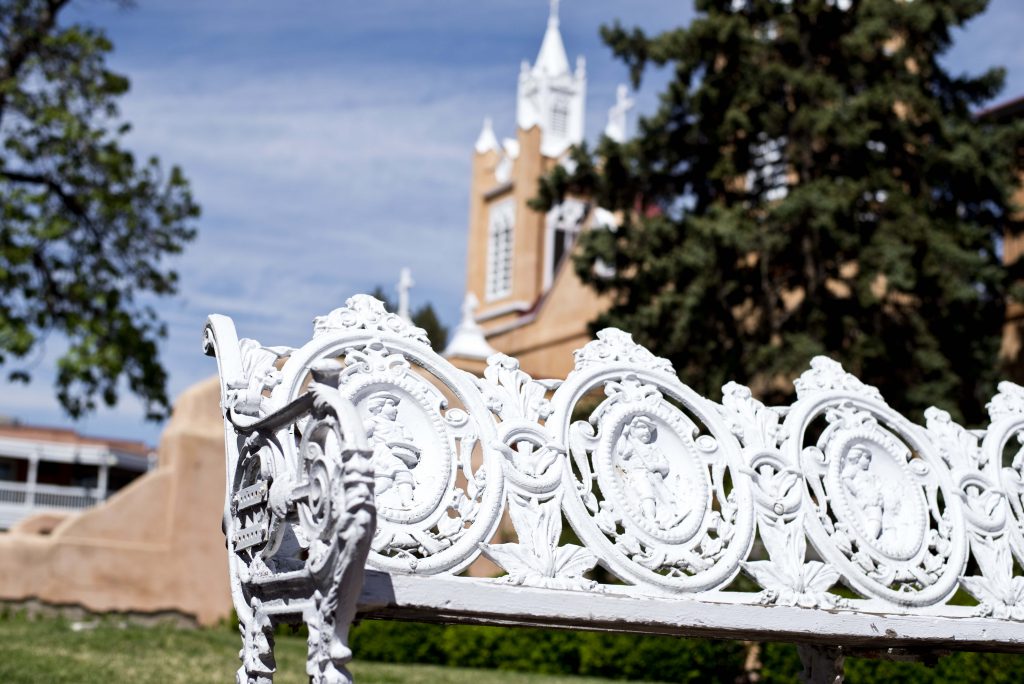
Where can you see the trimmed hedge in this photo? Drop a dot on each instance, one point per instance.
(621, 656)
(627, 656)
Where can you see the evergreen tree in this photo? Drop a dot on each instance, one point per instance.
(813, 182)
(84, 227)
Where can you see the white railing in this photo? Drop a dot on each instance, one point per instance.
(21, 499)
(55, 496)
(13, 493)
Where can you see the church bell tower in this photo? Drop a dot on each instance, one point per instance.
(522, 296)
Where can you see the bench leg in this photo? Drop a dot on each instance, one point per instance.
(344, 548)
(257, 647)
(822, 664)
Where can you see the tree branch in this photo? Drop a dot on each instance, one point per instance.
(70, 202)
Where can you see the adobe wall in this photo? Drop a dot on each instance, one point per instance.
(154, 546)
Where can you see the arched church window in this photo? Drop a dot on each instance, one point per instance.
(500, 224)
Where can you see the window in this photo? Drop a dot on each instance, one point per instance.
(499, 249)
(84, 475)
(9, 469)
(560, 116)
(564, 223)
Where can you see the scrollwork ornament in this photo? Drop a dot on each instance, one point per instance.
(537, 560)
(1003, 440)
(826, 375)
(958, 447)
(511, 394)
(614, 346)
(787, 578)
(435, 500)
(974, 471)
(365, 313)
(754, 424)
(999, 592)
(260, 375)
(1007, 403)
(338, 554)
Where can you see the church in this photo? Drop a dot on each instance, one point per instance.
(523, 297)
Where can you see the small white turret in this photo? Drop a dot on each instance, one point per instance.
(487, 141)
(469, 342)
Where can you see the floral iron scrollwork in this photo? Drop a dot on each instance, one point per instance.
(533, 468)
(992, 496)
(879, 499)
(363, 313)
(787, 577)
(439, 485)
(257, 653)
(537, 560)
(1006, 436)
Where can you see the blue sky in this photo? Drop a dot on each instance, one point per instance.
(329, 145)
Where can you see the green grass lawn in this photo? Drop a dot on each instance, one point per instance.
(49, 650)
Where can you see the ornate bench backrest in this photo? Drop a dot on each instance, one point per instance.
(665, 489)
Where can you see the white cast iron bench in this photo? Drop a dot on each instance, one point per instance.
(364, 449)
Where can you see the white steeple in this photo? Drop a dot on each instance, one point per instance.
(551, 95)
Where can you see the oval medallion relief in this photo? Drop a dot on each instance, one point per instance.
(874, 493)
(650, 466)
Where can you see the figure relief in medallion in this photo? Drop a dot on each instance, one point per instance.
(647, 473)
(867, 493)
(395, 453)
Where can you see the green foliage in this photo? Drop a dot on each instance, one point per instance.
(781, 665)
(617, 656)
(85, 228)
(398, 642)
(871, 233)
(424, 317)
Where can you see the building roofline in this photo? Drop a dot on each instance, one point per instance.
(1003, 110)
(69, 436)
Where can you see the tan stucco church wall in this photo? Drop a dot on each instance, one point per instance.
(545, 345)
(154, 546)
